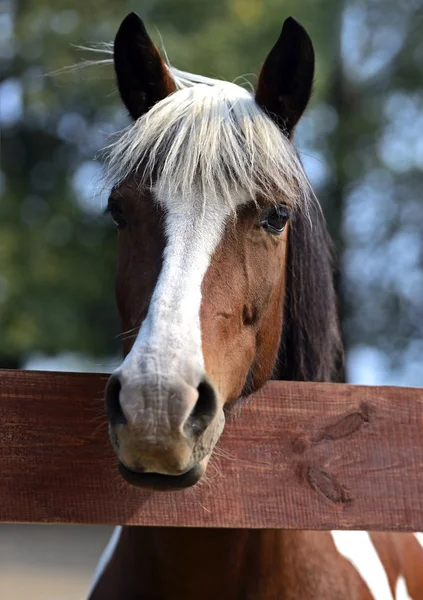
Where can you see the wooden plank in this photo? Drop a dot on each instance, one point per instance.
(297, 455)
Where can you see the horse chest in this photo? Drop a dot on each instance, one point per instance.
(172, 564)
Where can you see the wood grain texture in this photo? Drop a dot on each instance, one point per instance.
(297, 455)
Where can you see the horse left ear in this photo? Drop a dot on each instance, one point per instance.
(286, 79)
(142, 76)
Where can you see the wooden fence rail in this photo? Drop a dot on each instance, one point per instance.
(297, 455)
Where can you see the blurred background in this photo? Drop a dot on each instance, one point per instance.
(361, 141)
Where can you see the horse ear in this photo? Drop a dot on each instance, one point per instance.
(286, 78)
(142, 76)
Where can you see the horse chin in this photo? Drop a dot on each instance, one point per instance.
(158, 482)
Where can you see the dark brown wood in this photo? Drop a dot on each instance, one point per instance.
(296, 455)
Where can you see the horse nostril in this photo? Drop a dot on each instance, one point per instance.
(204, 410)
(113, 408)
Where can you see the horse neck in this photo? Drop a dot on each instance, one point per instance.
(188, 560)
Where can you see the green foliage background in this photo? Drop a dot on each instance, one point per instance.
(360, 139)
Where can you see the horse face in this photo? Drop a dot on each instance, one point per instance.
(208, 324)
(201, 272)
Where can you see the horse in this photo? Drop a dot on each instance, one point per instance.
(225, 276)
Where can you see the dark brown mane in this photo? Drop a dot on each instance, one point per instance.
(310, 348)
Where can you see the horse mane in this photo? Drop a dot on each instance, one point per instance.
(209, 139)
(310, 348)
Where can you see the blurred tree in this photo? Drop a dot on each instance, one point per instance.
(376, 160)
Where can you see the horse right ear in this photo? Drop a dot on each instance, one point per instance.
(286, 79)
(142, 76)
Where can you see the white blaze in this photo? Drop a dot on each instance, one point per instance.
(168, 348)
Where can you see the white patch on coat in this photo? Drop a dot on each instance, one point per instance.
(357, 547)
(105, 558)
(401, 592)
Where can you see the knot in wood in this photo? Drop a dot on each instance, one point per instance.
(346, 425)
(325, 483)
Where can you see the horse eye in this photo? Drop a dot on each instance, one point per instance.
(274, 219)
(115, 211)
